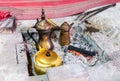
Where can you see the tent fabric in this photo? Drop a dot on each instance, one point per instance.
(31, 9)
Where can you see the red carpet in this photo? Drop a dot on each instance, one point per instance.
(31, 9)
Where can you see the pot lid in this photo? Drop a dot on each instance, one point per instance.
(46, 57)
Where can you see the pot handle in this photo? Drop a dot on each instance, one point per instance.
(57, 29)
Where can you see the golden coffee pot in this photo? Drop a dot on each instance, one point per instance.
(64, 38)
(45, 28)
(44, 59)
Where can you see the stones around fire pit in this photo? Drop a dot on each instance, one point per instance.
(77, 40)
(69, 72)
(21, 54)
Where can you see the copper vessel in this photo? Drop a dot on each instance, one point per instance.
(64, 38)
(45, 28)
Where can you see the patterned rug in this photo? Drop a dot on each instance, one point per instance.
(24, 9)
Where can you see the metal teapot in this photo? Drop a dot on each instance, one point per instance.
(45, 59)
(45, 28)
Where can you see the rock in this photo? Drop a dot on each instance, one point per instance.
(68, 72)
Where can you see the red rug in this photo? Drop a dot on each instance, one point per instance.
(31, 9)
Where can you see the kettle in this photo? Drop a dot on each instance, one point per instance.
(45, 28)
(64, 38)
(45, 59)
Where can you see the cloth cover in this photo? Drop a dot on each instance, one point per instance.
(31, 9)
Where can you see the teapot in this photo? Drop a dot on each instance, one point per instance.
(45, 59)
(45, 28)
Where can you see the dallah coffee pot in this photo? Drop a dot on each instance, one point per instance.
(45, 28)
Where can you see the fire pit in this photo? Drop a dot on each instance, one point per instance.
(78, 40)
(81, 49)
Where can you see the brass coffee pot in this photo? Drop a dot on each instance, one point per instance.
(64, 38)
(45, 59)
(45, 28)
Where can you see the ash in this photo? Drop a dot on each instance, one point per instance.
(114, 59)
(79, 41)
